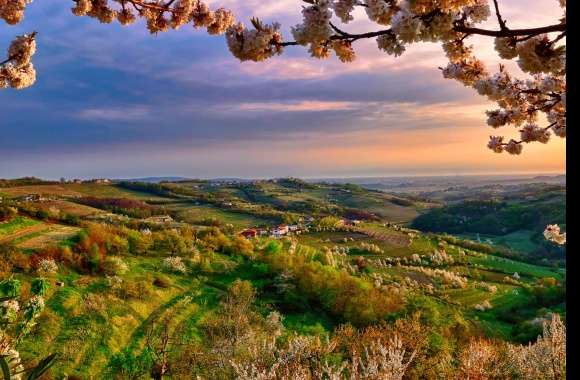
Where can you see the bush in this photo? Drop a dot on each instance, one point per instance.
(115, 266)
(174, 264)
(135, 290)
(7, 213)
(162, 282)
(47, 267)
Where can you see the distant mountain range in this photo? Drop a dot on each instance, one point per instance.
(153, 179)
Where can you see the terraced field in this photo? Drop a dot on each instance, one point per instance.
(29, 234)
(52, 235)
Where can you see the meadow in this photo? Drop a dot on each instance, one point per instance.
(127, 298)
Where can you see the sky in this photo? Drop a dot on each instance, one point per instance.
(117, 102)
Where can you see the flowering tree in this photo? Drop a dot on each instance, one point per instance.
(539, 50)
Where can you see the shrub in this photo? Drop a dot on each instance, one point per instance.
(7, 213)
(47, 267)
(115, 266)
(94, 304)
(135, 289)
(174, 264)
(161, 282)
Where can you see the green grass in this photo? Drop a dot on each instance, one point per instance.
(196, 214)
(16, 224)
(509, 267)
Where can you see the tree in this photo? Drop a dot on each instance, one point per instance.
(7, 213)
(16, 322)
(540, 50)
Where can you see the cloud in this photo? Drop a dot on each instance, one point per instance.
(300, 106)
(183, 95)
(130, 113)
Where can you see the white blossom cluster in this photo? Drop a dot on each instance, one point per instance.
(435, 21)
(448, 277)
(9, 311)
(483, 306)
(553, 234)
(174, 264)
(257, 44)
(343, 8)
(544, 359)
(537, 55)
(18, 71)
(47, 267)
(315, 29)
(159, 16)
(390, 44)
(381, 11)
(12, 11)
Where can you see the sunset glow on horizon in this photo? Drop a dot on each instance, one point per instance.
(117, 102)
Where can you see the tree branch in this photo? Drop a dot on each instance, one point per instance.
(511, 32)
(458, 28)
(500, 20)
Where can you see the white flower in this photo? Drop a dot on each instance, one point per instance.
(531, 132)
(479, 11)
(456, 51)
(174, 264)
(513, 147)
(406, 26)
(343, 8)
(390, 44)
(315, 27)
(537, 55)
(380, 11)
(343, 50)
(47, 266)
(222, 20)
(254, 45)
(82, 7)
(506, 47)
(553, 234)
(495, 143)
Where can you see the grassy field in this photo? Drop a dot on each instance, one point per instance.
(69, 208)
(16, 226)
(93, 320)
(53, 235)
(202, 213)
(78, 190)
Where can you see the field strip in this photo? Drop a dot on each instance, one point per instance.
(55, 234)
(23, 232)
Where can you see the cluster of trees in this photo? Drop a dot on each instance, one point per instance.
(49, 215)
(242, 341)
(497, 218)
(347, 297)
(131, 207)
(95, 243)
(24, 181)
(7, 213)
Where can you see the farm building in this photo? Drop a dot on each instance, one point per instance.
(280, 231)
(159, 219)
(250, 233)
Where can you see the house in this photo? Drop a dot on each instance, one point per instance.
(146, 231)
(29, 198)
(159, 219)
(250, 233)
(280, 231)
(293, 228)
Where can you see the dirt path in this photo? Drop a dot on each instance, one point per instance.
(54, 235)
(23, 232)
